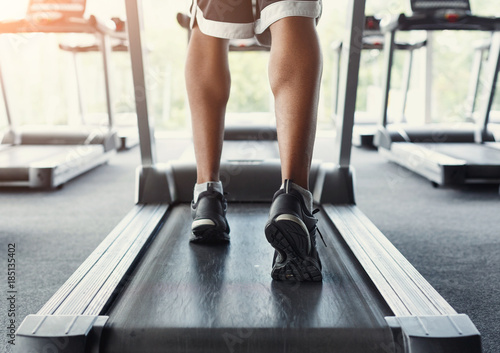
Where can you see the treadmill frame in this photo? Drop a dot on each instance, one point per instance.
(53, 170)
(73, 320)
(401, 145)
(127, 135)
(364, 132)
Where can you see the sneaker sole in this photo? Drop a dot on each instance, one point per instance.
(287, 237)
(209, 235)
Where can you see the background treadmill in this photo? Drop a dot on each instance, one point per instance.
(481, 55)
(125, 129)
(444, 155)
(44, 157)
(146, 289)
(365, 127)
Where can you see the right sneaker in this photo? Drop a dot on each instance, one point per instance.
(209, 218)
(291, 230)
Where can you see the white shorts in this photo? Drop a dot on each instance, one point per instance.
(242, 19)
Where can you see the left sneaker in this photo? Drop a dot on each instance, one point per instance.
(291, 230)
(209, 218)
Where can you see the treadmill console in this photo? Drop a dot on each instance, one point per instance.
(442, 15)
(433, 6)
(447, 10)
(47, 12)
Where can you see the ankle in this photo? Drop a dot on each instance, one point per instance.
(306, 194)
(201, 187)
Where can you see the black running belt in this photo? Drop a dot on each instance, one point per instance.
(193, 298)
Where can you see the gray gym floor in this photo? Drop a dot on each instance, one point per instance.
(452, 236)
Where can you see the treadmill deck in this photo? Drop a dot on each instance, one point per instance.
(48, 166)
(213, 298)
(473, 153)
(449, 163)
(22, 156)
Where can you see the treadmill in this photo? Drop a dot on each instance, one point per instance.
(42, 157)
(481, 50)
(127, 132)
(365, 127)
(146, 289)
(447, 156)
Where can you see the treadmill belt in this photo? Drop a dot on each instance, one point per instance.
(197, 298)
(473, 153)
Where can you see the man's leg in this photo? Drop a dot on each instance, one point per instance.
(295, 69)
(208, 86)
(295, 73)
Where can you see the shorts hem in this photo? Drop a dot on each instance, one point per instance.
(225, 30)
(269, 15)
(280, 10)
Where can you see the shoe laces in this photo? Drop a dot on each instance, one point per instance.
(319, 232)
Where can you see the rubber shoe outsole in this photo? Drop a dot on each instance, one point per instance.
(208, 235)
(293, 263)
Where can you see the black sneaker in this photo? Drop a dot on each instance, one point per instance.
(209, 218)
(291, 230)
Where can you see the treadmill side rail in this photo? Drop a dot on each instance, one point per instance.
(443, 334)
(405, 290)
(423, 321)
(60, 333)
(71, 321)
(95, 283)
